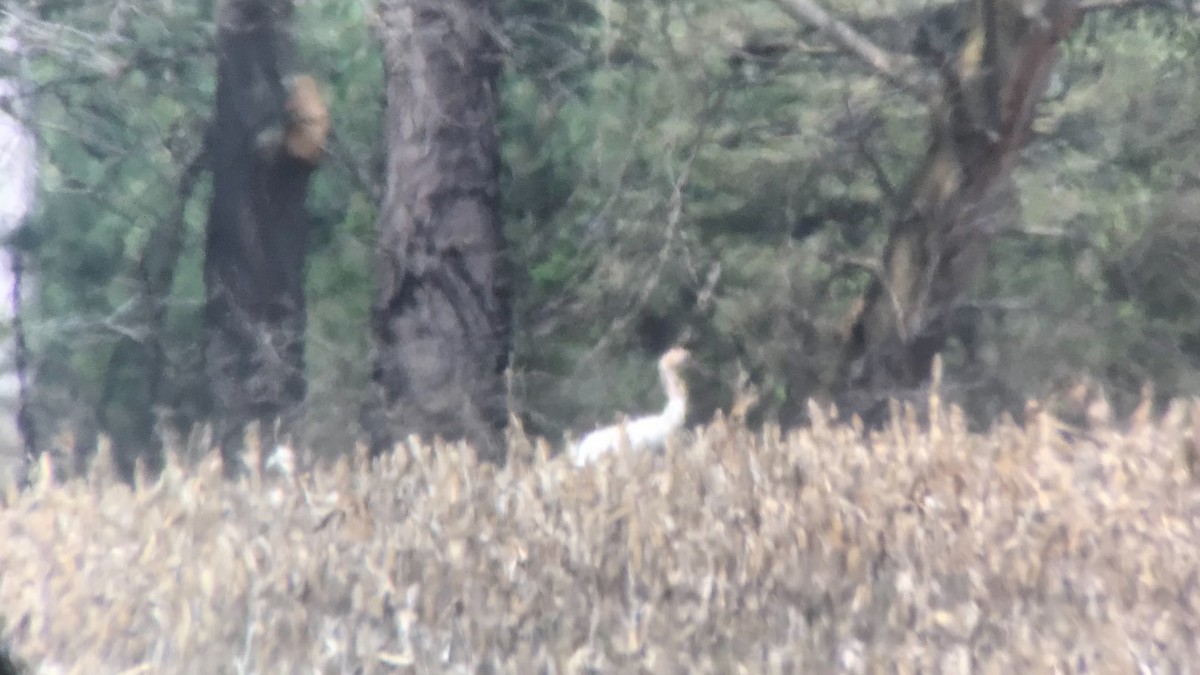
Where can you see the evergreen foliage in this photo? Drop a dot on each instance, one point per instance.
(691, 169)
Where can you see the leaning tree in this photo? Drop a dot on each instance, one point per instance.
(982, 88)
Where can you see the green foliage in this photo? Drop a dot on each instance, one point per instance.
(628, 264)
(1113, 162)
(119, 113)
(124, 103)
(792, 166)
(660, 182)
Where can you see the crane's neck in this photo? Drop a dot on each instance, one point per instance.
(677, 395)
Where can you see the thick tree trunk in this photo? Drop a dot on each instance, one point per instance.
(267, 135)
(939, 243)
(440, 319)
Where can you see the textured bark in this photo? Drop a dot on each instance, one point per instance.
(938, 245)
(258, 228)
(440, 319)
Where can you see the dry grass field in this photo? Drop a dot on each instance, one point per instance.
(920, 548)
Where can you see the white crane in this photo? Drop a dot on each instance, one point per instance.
(642, 433)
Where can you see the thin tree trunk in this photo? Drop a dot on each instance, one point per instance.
(938, 246)
(440, 319)
(137, 368)
(267, 135)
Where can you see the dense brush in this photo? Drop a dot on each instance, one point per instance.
(919, 548)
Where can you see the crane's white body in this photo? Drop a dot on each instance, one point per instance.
(642, 433)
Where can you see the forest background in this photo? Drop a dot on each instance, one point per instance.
(704, 171)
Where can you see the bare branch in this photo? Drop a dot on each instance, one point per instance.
(900, 69)
(1039, 232)
(674, 218)
(881, 178)
(842, 263)
(1096, 5)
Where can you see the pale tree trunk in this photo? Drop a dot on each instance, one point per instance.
(18, 187)
(938, 245)
(440, 319)
(268, 133)
(981, 113)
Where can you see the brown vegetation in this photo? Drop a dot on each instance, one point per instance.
(308, 127)
(1034, 549)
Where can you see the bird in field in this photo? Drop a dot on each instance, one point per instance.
(646, 432)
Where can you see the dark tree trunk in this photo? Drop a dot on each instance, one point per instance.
(266, 137)
(938, 246)
(440, 319)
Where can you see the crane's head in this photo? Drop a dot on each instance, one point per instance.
(674, 359)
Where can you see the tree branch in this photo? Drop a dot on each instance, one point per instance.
(674, 217)
(1096, 5)
(900, 69)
